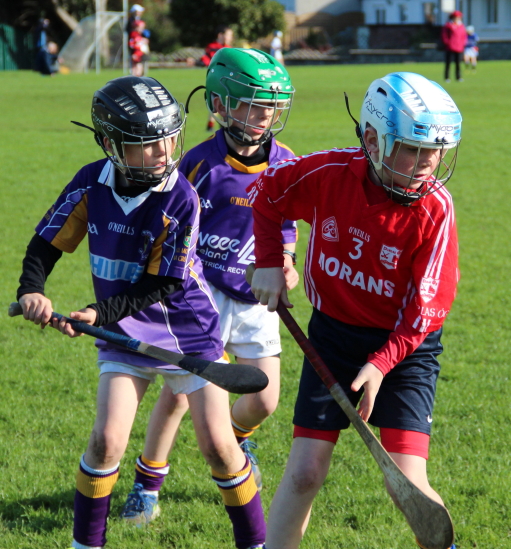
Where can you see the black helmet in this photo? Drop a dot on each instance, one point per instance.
(133, 110)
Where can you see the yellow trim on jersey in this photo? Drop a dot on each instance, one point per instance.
(153, 265)
(95, 487)
(283, 146)
(193, 173)
(258, 168)
(74, 229)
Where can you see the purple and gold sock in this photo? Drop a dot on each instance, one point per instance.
(243, 505)
(92, 504)
(242, 432)
(150, 474)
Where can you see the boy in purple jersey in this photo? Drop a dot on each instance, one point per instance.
(250, 95)
(141, 217)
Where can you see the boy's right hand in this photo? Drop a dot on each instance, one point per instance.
(37, 308)
(268, 286)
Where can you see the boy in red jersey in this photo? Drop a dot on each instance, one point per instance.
(381, 272)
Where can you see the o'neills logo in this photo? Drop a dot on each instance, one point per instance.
(389, 256)
(429, 288)
(329, 230)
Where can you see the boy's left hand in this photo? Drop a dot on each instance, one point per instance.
(84, 315)
(291, 274)
(370, 378)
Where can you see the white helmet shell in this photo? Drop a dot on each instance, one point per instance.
(409, 107)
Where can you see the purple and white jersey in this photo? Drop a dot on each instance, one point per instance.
(155, 232)
(226, 237)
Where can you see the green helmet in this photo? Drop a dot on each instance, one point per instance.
(250, 76)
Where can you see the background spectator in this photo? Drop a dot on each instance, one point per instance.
(139, 46)
(471, 52)
(454, 37)
(276, 47)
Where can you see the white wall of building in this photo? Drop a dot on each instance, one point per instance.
(492, 18)
(333, 7)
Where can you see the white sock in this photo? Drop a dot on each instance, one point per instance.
(150, 492)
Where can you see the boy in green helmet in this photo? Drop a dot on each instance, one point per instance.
(250, 94)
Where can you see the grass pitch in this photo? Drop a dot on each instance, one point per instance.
(47, 403)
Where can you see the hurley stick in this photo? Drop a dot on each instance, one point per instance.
(234, 378)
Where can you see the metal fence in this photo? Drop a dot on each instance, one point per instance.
(16, 49)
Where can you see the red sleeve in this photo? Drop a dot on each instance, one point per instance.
(446, 33)
(401, 343)
(435, 269)
(268, 236)
(286, 190)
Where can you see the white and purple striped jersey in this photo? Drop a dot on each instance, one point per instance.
(226, 238)
(155, 232)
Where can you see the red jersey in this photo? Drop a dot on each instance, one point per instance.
(210, 51)
(370, 261)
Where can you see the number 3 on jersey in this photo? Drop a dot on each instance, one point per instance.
(357, 252)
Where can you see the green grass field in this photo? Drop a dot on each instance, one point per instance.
(48, 382)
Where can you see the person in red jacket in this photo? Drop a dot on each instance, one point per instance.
(454, 38)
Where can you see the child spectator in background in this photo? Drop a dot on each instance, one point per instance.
(276, 47)
(471, 52)
(139, 46)
(224, 39)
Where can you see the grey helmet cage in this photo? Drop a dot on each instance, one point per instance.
(136, 111)
(408, 110)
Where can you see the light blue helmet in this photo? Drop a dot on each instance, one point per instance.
(408, 109)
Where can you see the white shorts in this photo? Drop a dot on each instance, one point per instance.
(247, 330)
(179, 381)
(471, 52)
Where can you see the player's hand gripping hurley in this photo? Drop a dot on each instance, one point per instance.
(234, 378)
(430, 521)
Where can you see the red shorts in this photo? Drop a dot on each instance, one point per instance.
(397, 441)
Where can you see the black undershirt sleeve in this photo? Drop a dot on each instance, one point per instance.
(139, 296)
(42, 256)
(38, 263)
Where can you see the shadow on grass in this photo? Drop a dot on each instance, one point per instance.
(47, 513)
(43, 513)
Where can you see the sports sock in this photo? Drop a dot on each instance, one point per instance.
(76, 545)
(242, 432)
(243, 505)
(92, 504)
(150, 474)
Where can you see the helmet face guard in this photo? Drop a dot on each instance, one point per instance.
(133, 113)
(124, 144)
(249, 77)
(411, 188)
(280, 103)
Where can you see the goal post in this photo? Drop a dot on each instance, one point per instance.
(100, 39)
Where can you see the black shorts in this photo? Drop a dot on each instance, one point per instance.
(407, 393)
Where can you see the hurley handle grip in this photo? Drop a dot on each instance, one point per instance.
(84, 328)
